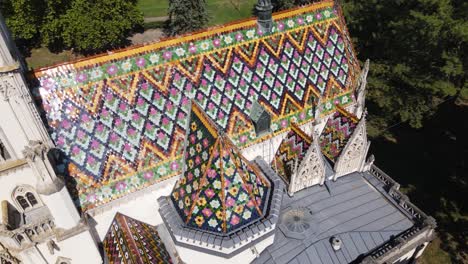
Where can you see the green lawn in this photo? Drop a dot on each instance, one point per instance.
(43, 57)
(220, 11)
(153, 8)
(225, 11)
(434, 254)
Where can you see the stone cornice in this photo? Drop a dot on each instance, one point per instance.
(9, 68)
(421, 232)
(229, 245)
(11, 165)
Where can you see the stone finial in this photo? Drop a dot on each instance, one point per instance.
(318, 111)
(368, 164)
(264, 10)
(430, 221)
(34, 149)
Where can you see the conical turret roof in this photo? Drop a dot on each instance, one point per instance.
(220, 191)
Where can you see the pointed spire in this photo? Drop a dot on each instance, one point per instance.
(220, 190)
(361, 90)
(264, 10)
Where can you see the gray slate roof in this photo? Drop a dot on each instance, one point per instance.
(357, 210)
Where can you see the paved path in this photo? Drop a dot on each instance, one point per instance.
(150, 35)
(155, 19)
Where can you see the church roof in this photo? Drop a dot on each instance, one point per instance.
(131, 241)
(291, 150)
(220, 191)
(121, 117)
(337, 132)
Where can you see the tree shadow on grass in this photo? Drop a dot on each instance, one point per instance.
(431, 165)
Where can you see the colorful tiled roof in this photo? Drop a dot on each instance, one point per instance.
(293, 148)
(220, 191)
(121, 117)
(131, 241)
(337, 132)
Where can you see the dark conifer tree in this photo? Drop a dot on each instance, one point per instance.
(186, 16)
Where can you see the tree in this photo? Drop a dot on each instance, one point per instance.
(22, 18)
(52, 23)
(418, 50)
(279, 5)
(186, 16)
(86, 26)
(91, 26)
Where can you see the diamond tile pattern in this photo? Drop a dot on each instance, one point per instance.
(131, 241)
(220, 191)
(132, 116)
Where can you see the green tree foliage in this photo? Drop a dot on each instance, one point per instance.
(52, 23)
(85, 26)
(279, 5)
(186, 16)
(418, 54)
(99, 24)
(22, 18)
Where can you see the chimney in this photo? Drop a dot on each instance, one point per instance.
(264, 10)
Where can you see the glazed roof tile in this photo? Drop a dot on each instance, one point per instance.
(337, 132)
(131, 241)
(220, 191)
(120, 118)
(291, 150)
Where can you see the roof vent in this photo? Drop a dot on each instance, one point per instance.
(261, 119)
(335, 243)
(298, 223)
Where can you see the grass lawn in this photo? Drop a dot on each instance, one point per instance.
(220, 11)
(43, 57)
(153, 8)
(434, 254)
(224, 11)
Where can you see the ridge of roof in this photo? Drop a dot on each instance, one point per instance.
(138, 49)
(121, 124)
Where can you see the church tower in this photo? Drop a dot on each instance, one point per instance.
(39, 222)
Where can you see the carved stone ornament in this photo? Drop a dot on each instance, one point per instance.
(311, 171)
(34, 149)
(7, 90)
(6, 257)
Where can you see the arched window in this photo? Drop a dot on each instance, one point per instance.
(26, 198)
(31, 199)
(22, 202)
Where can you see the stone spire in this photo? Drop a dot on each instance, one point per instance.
(264, 10)
(361, 90)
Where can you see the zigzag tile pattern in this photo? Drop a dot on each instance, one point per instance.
(130, 241)
(291, 150)
(337, 132)
(125, 124)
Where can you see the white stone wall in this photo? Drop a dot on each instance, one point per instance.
(79, 249)
(10, 179)
(246, 256)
